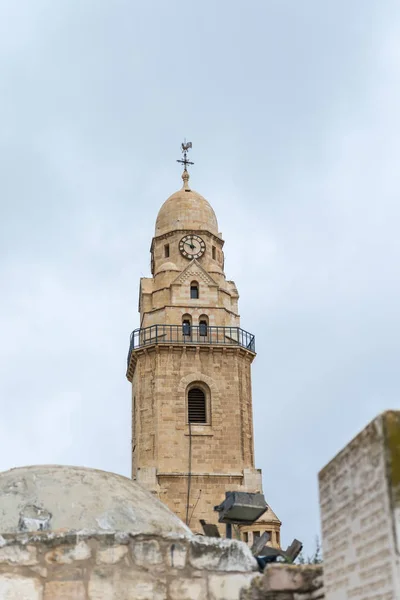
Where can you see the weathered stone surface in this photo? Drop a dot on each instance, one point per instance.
(34, 518)
(222, 587)
(112, 555)
(360, 513)
(64, 590)
(19, 555)
(15, 587)
(102, 588)
(40, 570)
(82, 499)
(187, 589)
(68, 555)
(147, 553)
(221, 554)
(125, 585)
(100, 567)
(176, 556)
(286, 582)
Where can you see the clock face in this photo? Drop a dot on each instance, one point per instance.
(192, 246)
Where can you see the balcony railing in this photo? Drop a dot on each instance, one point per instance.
(191, 336)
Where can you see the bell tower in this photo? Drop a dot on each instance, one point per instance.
(190, 368)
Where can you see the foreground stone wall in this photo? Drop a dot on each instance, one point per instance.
(286, 582)
(54, 566)
(360, 514)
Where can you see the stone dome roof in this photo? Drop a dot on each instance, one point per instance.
(57, 497)
(186, 209)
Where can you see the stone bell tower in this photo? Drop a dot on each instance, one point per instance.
(190, 368)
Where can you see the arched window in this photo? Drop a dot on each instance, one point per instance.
(186, 325)
(197, 406)
(194, 290)
(203, 325)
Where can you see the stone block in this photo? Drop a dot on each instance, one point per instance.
(68, 554)
(112, 555)
(101, 589)
(188, 589)
(67, 572)
(228, 587)
(360, 514)
(176, 556)
(146, 553)
(64, 590)
(19, 588)
(292, 578)
(285, 582)
(221, 555)
(125, 585)
(18, 555)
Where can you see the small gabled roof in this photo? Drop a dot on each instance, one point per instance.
(194, 270)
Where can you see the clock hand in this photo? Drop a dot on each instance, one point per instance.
(190, 245)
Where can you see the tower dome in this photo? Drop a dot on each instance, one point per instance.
(186, 209)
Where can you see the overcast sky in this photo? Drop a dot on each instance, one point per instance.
(293, 111)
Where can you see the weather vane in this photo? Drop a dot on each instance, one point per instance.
(185, 147)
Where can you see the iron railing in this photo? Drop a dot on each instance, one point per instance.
(191, 335)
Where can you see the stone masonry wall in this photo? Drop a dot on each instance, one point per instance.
(221, 450)
(54, 566)
(286, 582)
(120, 566)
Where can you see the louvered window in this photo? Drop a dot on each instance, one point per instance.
(196, 406)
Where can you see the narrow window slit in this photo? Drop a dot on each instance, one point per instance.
(194, 290)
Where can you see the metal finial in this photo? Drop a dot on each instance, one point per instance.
(185, 147)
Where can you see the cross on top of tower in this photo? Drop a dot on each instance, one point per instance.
(185, 147)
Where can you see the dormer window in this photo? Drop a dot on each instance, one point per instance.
(194, 290)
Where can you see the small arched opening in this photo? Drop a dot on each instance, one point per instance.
(194, 290)
(186, 325)
(197, 405)
(203, 325)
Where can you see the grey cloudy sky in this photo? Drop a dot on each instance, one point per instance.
(293, 111)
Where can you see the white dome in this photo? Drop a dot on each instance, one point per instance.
(57, 497)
